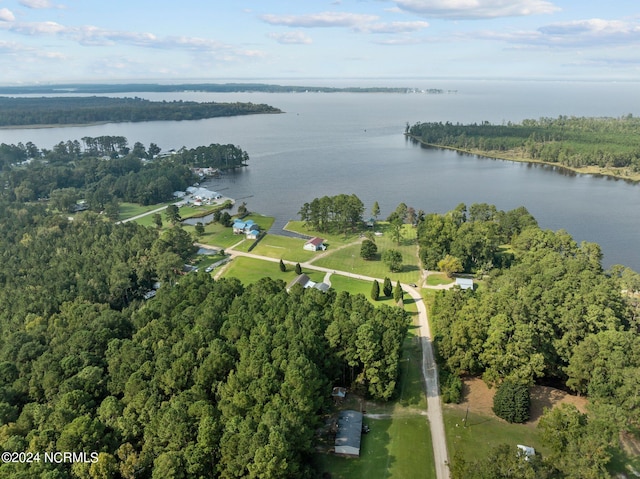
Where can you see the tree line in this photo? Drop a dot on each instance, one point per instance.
(569, 141)
(552, 315)
(81, 110)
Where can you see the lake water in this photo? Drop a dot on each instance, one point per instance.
(330, 143)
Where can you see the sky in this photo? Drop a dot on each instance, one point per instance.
(55, 41)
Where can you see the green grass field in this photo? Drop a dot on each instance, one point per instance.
(128, 210)
(348, 259)
(435, 279)
(249, 270)
(281, 247)
(483, 433)
(332, 240)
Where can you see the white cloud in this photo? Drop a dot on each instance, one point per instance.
(90, 35)
(580, 33)
(6, 15)
(39, 4)
(393, 27)
(291, 38)
(10, 47)
(594, 27)
(316, 20)
(476, 9)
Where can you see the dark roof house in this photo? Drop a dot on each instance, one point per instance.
(349, 433)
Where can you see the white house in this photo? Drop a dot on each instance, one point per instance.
(315, 244)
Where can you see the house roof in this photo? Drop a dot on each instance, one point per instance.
(349, 429)
(315, 241)
(324, 287)
(465, 283)
(301, 279)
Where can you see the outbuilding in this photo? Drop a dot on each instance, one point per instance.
(464, 283)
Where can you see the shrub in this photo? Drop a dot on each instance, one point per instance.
(512, 402)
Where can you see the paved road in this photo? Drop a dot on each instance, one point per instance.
(429, 368)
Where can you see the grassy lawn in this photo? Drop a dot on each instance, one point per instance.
(128, 210)
(281, 247)
(332, 240)
(265, 222)
(217, 235)
(249, 270)
(358, 286)
(348, 258)
(398, 446)
(435, 279)
(483, 433)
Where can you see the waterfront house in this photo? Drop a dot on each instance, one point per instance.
(315, 244)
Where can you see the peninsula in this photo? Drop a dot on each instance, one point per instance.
(58, 111)
(599, 146)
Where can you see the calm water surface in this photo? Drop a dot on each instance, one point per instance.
(325, 144)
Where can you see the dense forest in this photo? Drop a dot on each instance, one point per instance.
(81, 110)
(548, 315)
(204, 87)
(105, 170)
(208, 379)
(569, 141)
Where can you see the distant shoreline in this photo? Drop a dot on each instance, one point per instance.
(512, 155)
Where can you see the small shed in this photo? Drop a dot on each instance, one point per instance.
(349, 433)
(464, 283)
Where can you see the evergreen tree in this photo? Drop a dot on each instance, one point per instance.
(157, 220)
(375, 290)
(398, 293)
(387, 288)
(375, 210)
(173, 214)
(298, 268)
(512, 402)
(368, 250)
(283, 267)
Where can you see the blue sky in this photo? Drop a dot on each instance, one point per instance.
(43, 41)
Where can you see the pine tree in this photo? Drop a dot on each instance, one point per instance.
(387, 288)
(375, 290)
(283, 267)
(398, 293)
(298, 268)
